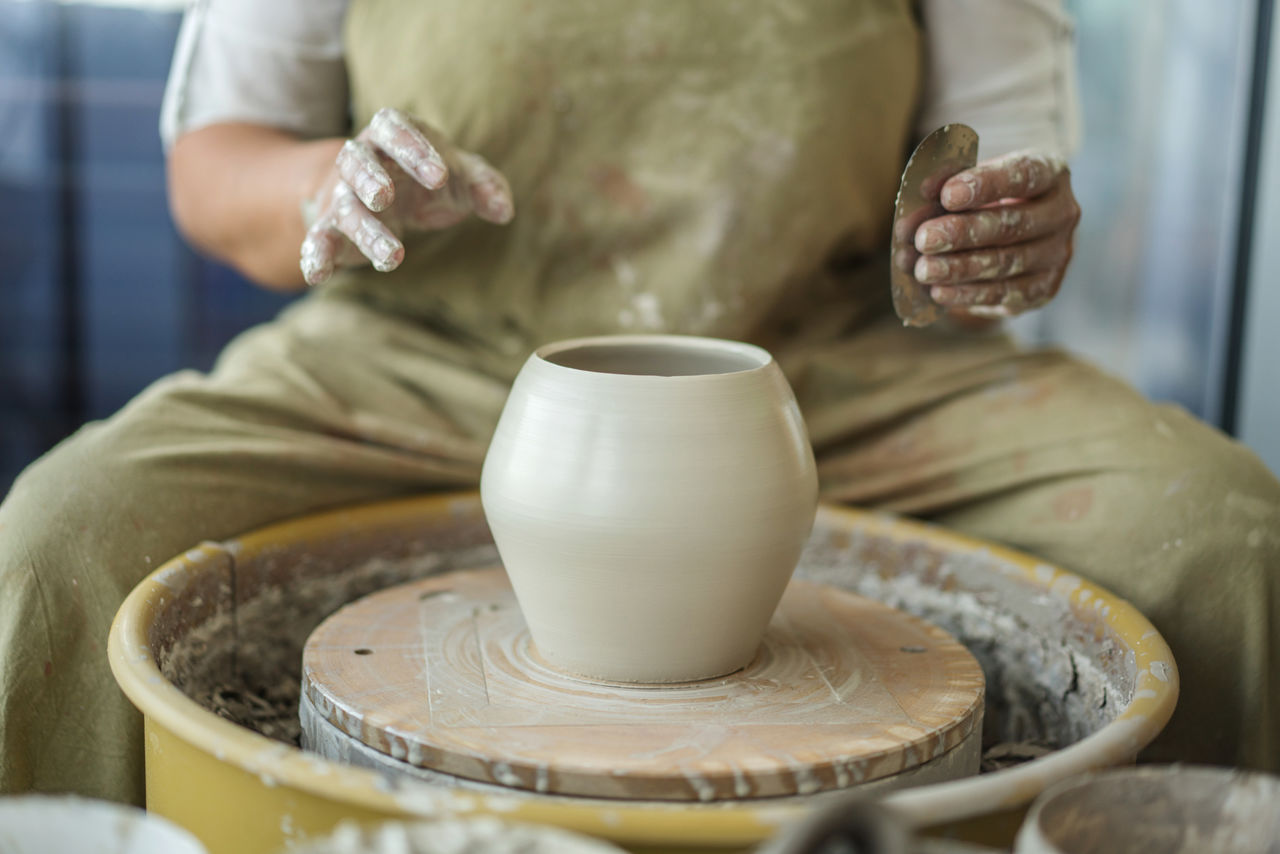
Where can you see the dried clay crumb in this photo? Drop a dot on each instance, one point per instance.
(247, 666)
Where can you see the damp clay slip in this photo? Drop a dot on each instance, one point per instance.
(650, 497)
(437, 678)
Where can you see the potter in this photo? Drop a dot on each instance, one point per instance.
(649, 496)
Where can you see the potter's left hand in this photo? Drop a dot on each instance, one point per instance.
(1004, 246)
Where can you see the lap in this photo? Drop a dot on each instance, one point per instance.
(333, 404)
(1041, 451)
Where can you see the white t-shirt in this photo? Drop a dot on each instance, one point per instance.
(1006, 67)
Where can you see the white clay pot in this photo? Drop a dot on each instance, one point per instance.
(649, 496)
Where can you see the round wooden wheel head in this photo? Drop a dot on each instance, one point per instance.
(441, 673)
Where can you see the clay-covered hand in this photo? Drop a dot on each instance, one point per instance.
(396, 176)
(1004, 246)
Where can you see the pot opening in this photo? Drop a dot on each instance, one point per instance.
(661, 358)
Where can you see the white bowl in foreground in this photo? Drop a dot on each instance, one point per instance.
(39, 824)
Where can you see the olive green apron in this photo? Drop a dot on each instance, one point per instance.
(716, 167)
(684, 167)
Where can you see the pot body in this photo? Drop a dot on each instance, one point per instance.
(650, 497)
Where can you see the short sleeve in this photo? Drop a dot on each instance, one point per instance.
(277, 63)
(1005, 67)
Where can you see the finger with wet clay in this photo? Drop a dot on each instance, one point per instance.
(1004, 299)
(904, 259)
(904, 254)
(489, 192)
(320, 249)
(979, 265)
(432, 210)
(359, 167)
(438, 213)
(1001, 225)
(396, 135)
(904, 229)
(369, 234)
(1019, 175)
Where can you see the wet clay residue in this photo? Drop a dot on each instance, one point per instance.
(245, 664)
(1052, 678)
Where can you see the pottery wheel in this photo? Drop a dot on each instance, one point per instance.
(441, 673)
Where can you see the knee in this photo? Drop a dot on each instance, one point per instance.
(1164, 511)
(1209, 492)
(61, 581)
(1204, 564)
(1190, 516)
(69, 519)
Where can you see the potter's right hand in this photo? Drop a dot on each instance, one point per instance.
(396, 176)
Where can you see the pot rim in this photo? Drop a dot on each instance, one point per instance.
(762, 359)
(277, 764)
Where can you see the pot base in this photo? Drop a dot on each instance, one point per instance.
(441, 674)
(537, 657)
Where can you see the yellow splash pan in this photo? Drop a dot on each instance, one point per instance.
(239, 791)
